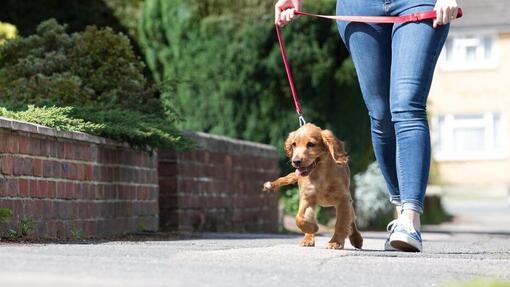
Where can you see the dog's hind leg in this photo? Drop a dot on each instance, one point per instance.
(344, 218)
(305, 220)
(355, 238)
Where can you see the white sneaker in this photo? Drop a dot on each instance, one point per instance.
(390, 227)
(404, 237)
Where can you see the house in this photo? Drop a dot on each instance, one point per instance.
(469, 101)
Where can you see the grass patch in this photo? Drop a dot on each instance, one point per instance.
(480, 283)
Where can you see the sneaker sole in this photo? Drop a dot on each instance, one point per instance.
(404, 243)
(388, 247)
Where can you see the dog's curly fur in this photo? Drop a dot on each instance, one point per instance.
(323, 177)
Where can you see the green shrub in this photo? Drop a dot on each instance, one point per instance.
(26, 15)
(94, 67)
(290, 200)
(90, 82)
(373, 209)
(26, 226)
(5, 215)
(7, 31)
(144, 131)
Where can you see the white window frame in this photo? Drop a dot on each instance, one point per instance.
(461, 64)
(448, 153)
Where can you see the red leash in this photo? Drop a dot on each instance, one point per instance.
(415, 17)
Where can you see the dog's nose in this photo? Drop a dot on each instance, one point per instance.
(296, 162)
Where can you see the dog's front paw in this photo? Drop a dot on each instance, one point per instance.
(335, 245)
(267, 187)
(307, 243)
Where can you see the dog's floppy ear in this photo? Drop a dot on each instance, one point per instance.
(288, 144)
(335, 147)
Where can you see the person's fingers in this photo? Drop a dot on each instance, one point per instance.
(279, 8)
(298, 4)
(287, 15)
(282, 17)
(277, 12)
(439, 18)
(446, 15)
(285, 11)
(292, 14)
(452, 13)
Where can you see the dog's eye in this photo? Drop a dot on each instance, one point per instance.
(294, 144)
(310, 145)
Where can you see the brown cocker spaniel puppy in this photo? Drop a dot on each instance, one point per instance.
(323, 177)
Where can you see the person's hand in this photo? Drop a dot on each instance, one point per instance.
(446, 11)
(284, 11)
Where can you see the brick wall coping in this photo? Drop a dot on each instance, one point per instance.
(7, 123)
(207, 141)
(228, 145)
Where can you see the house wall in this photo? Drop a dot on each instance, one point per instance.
(474, 92)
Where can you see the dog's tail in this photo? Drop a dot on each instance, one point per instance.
(355, 238)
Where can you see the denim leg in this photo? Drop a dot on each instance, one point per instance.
(370, 48)
(415, 50)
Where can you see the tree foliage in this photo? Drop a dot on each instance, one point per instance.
(222, 67)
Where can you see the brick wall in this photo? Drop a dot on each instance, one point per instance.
(218, 186)
(73, 183)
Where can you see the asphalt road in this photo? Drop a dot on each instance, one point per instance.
(254, 260)
(450, 254)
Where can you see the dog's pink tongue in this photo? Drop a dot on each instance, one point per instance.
(300, 171)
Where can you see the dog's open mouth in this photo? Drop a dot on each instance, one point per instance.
(304, 171)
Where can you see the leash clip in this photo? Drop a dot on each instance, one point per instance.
(301, 120)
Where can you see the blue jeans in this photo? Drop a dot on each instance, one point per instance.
(395, 64)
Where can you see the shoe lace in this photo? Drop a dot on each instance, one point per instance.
(392, 225)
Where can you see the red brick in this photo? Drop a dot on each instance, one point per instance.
(42, 189)
(12, 142)
(23, 144)
(7, 163)
(88, 172)
(28, 166)
(12, 187)
(33, 146)
(52, 189)
(70, 188)
(68, 150)
(24, 187)
(60, 189)
(3, 186)
(44, 147)
(50, 149)
(37, 167)
(47, 168)
(73, 171)
(4, 142)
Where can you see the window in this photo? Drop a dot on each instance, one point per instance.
(470, 137)
(469, 51)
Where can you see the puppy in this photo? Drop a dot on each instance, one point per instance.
(323, 177)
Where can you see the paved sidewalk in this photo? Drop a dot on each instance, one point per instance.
(260, 260)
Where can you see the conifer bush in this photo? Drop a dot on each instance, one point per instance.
(89, 81)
